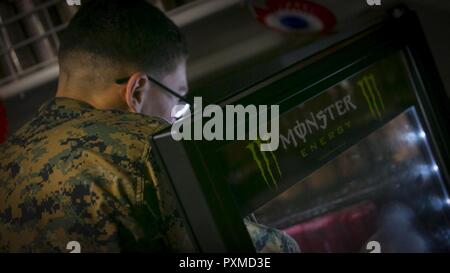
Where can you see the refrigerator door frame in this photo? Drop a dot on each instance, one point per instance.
(211, 210)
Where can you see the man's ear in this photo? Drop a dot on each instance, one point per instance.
(134, 91)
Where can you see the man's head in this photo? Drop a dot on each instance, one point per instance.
(112, 39)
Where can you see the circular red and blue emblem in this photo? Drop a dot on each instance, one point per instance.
(294, 16)
(3, 123)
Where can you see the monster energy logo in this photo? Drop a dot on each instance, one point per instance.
(372, 95)
(267, 163)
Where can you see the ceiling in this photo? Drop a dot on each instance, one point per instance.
(224, 35)
(229, 48)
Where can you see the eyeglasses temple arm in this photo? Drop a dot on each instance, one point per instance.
(170, 90)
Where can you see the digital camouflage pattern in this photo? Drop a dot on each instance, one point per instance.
(270, 240)
(3, 123)
(76, 173)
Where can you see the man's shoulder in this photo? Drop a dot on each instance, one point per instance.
(110, 133)
(115, 134)
(120, 125)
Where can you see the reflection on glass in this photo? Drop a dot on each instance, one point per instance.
(386, 188)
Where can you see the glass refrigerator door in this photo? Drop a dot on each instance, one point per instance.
(387, 188)
(354, 170)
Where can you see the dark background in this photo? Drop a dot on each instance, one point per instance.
(230, 49)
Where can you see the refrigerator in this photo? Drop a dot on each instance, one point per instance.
(363, 157)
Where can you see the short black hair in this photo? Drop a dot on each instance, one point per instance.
(124, 32)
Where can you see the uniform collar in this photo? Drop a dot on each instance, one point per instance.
(68, 103)
(76, 107)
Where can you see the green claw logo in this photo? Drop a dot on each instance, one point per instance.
(265, 164)
(372, 95)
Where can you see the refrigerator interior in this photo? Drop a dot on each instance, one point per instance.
(385, 188)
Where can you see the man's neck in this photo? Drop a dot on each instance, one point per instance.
(97, 101)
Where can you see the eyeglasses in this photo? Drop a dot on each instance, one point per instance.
(183, 107)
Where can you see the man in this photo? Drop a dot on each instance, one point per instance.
(82, 170)
(3, 123)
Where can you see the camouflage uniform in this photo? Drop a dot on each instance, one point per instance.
(270, 240)
(76, 173)
(3, 123)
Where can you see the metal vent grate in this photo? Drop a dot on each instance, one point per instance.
(29, 33)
